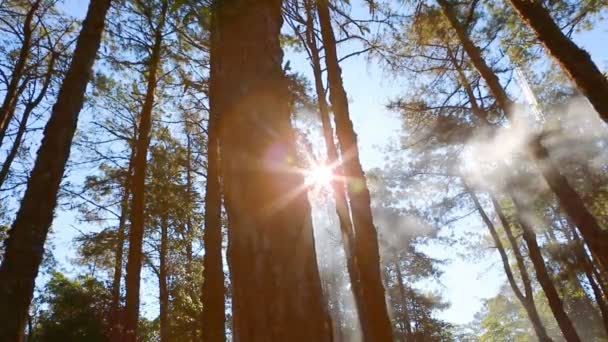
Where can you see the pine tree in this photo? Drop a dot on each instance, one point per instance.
(25, 245)
(275, 281)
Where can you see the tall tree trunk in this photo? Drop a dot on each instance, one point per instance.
(527, 299)
(189, 231)
(213, 318)
(276, 287)
(115, 310)
(25, 244)
(136, 233)
(407, 322)
(375, 322)
(27, 111)
(587, 319)
(570, 201)
(542, 273)
(575, 61)
(530, 237)
(595, 287)
(7, 110)
(162, 281)
(338, 184)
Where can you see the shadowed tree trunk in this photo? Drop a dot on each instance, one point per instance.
(575, 61)
(277, 293)
(11, 96)
(570, 201)
(527, 299)
(136, 233)
(213, 317)
(25, 244)
(371, 303)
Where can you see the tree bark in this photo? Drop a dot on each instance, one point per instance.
(25, 244)
(136, 233)
(7, 110)
(277, 293)
(574, 60)
(213, 318)
(570, 201)
(371, 303)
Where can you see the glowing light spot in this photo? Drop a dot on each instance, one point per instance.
(319, 176)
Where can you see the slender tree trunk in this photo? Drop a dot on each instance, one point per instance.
(25, 244)
(570, 201)
(586, 318)
(115, 310)
(521, 265)
(375, 322)
(527, 299)
(29, 108)
(338, 184)
(189, 231)
(7, 110)
(588, 267)
(213, 318)
(162, 281)
(276, 287)
(575, 61)
(136, 233)
(404, 298)
(530, 238)
(542, 274)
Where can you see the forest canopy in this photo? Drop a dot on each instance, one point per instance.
(303, 170)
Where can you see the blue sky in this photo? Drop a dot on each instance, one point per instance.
(465, 282)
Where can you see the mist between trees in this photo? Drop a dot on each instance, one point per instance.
(200, 170)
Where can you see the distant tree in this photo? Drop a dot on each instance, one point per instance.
(74, 310)
(155, 14)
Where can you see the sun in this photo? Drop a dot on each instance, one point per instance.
(319, 176)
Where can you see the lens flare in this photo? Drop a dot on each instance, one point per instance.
(319, 176)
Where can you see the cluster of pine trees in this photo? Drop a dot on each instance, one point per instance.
(217, 194)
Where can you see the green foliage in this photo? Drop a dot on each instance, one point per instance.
(74, 310)
(503, 318)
